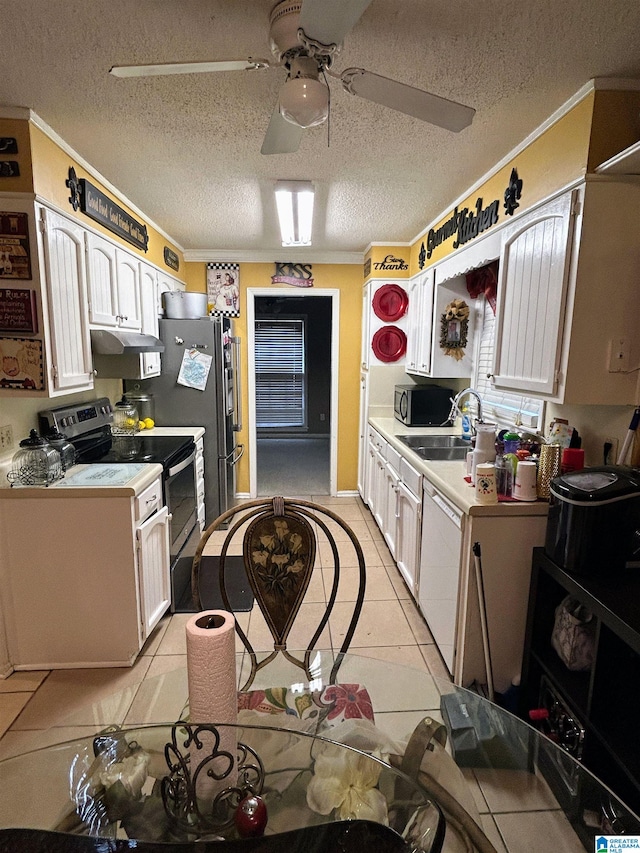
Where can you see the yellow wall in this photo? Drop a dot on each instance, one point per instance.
(385, 257)
(556, 157)
(347, 278)
(51, 170)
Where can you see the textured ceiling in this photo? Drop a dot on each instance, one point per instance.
(186, 149)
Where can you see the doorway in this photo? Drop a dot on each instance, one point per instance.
(292, 360)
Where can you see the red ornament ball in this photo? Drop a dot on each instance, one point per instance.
(251, 817)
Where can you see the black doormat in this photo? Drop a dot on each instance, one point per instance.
(237, 583)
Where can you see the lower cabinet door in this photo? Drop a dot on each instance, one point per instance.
(153, 570)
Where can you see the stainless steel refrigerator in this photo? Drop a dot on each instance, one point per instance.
(217, 407)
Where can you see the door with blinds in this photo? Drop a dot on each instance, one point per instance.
(281, 379)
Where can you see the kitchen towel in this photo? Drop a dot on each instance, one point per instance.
(211, 674)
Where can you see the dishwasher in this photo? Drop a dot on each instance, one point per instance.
(440, 568)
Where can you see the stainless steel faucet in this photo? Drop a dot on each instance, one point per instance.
(455, 404)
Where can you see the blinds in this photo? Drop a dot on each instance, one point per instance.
(280, 374)
(501, 406)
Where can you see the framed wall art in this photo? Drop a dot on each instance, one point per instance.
(223, 289)
(15, 260)
(21, 364)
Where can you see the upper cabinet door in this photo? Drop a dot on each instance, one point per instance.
(101, 273)
(127, 269)
(66, 288)
(150, 361)
(532, 288)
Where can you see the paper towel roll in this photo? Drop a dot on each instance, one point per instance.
(213, 698)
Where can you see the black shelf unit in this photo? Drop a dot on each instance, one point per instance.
(597, 709)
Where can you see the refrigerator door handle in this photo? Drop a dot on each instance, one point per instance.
(237, 387)
(233, 459)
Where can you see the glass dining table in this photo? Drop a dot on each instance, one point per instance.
(440, 765)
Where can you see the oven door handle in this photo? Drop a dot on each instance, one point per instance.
(181, 465)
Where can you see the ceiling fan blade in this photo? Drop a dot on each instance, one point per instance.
(329, 21)
(187, 67)
(282, 137)
(407, 99)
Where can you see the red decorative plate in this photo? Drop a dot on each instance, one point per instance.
(389, 343)
(390, 302)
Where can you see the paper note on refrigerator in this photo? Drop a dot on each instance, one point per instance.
(194, 369)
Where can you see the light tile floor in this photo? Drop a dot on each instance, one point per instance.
(390, 628)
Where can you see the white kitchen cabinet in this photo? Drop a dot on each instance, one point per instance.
(64, 303)
(149, 361)
(363, 437)
(532, 288)
(409, 522)
(428, 300)
(152, 553)
(90, 590)
(114, 285)
(365, 341)
(419, 331)
(128, 279)
(561, 265)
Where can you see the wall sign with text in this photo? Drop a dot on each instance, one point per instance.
(99, 207)
(18, 311)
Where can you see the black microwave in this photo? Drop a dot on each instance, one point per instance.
(423, 405)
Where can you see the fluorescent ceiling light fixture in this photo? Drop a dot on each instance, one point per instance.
(294, 201)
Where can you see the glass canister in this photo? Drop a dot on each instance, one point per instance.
(61, 443)
(125, 418)
(143, 402)
(548, 468)
(36, 463)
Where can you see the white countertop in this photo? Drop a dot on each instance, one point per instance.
(196, 431)
(448, 477)
(115, 480)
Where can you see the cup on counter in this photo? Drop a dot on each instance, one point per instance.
(524, 485)
(572, 460)
(478, 458)
(486, 483)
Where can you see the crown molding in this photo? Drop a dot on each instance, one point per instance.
(35, 119)
(597, 83)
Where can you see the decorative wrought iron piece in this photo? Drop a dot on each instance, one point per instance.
(178, 789)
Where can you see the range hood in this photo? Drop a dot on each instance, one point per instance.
(121, 342)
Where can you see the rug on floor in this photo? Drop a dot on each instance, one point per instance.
(237, 583)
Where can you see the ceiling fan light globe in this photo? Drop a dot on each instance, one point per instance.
(304, 101)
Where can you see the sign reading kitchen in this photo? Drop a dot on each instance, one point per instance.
(467, 224)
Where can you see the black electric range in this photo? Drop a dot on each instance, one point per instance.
(88, 427)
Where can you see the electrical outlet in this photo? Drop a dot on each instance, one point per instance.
(6, 438)
(611, 457)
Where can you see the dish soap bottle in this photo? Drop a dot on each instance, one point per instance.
(466, 422)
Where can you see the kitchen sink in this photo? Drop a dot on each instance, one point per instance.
(437, 447)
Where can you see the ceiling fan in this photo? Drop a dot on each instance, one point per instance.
(305, 36)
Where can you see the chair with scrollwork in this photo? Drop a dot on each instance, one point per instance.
(282, 543)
